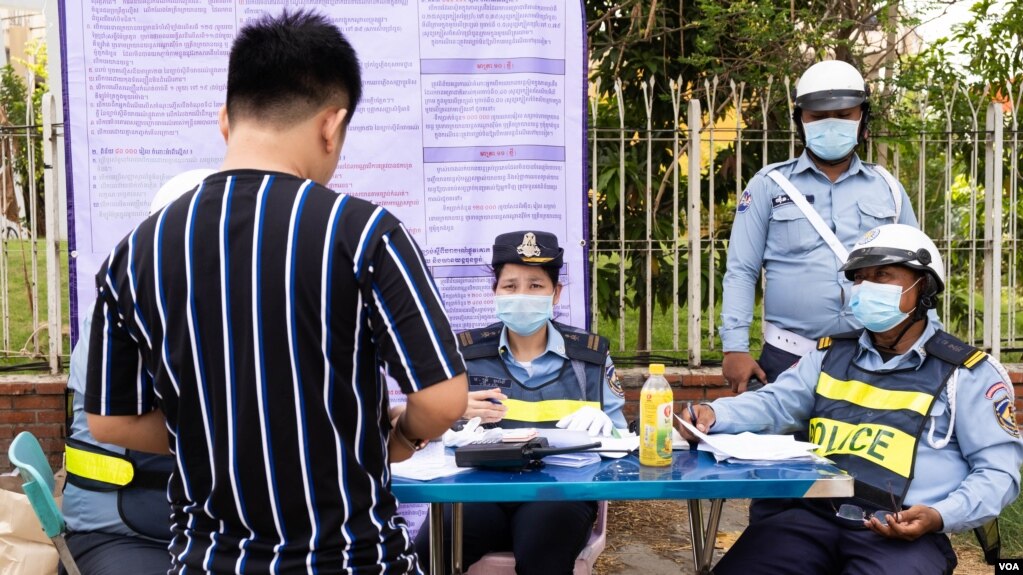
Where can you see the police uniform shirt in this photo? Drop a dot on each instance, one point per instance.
(805, 292)
(968, 481)
(89, 510)
(544, 367)
(257, 312)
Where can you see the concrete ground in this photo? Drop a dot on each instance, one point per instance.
(652, 537)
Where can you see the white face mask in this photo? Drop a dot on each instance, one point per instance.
(831, 138)
(524, 314)
(876, 306)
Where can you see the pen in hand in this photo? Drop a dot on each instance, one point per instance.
(692, 419)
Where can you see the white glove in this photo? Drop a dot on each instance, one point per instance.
(589, 419)
(470, 433)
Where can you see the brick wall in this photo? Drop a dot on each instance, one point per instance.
(35, 404)
(706, 384)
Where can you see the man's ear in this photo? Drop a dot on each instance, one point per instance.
(557, 293)
(333, 128)
(222, 122)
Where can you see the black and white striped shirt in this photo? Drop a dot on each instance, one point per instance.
(257, 311)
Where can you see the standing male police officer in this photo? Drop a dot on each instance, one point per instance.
(923, 421)
(795, 220)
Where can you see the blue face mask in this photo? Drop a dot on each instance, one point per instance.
(831, 138)
(524, 314)
(876, 306)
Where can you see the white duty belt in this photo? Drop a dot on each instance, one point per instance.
(787, 341)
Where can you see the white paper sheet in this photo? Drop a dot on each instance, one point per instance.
(748, 446)
(432, 462)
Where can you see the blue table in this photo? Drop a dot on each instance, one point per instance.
(692, 476)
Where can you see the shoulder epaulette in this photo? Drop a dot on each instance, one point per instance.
(827, 341)
(480, 342)
(949, 348)
(582, 345)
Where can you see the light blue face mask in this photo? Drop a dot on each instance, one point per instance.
(831, 138)
(876, 306)
(524, 314)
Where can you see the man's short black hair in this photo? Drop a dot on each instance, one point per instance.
(284, 68)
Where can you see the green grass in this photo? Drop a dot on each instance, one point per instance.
(18, 347)
(1010, 523)
(662, 343)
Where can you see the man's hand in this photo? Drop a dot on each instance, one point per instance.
(705, 418)
(739, 367)
(909, 524)
(486, 405)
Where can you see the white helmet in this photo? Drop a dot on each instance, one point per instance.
(175, 187)
(898, 244)
(830, 85)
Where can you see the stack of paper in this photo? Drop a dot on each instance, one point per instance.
(579, 459)
(430, 463)
(751, 447)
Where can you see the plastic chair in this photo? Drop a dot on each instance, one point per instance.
(503, 563)
(30, 460)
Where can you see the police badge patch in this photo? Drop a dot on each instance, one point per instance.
(869, 236)
(1006, 414)
(613, 382)
(744, 201)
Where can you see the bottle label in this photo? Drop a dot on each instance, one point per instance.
(655, 416)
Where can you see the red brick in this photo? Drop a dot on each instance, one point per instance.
(46, 430)
(17, 417)
(25, 402)
(51, 416)
(17, 388)
(51, 388)
(719, 392)
(5, 403)
(691, 394)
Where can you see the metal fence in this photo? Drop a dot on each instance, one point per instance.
(945, 171)
(33, 291)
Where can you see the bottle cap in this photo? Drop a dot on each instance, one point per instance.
(656, 369)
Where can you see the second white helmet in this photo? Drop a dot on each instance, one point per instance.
(175, 187)
(897, 244)
(830, 85)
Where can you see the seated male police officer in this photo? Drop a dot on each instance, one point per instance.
(115, 501)
(923, 421)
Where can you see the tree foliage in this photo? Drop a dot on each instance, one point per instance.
(691, 42)
(14, 100)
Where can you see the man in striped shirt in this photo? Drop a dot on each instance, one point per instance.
(244, 328)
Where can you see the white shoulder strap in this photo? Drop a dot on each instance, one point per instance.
(811, 214)
(893, 185)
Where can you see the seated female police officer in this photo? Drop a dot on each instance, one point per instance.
(530, 371)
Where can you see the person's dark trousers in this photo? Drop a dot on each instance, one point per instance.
(106, 554)
(773, 361)
(545, 536)
(799, 541)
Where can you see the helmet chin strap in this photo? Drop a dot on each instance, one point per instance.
(914, 319)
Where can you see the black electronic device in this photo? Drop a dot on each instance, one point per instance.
(522, 454)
